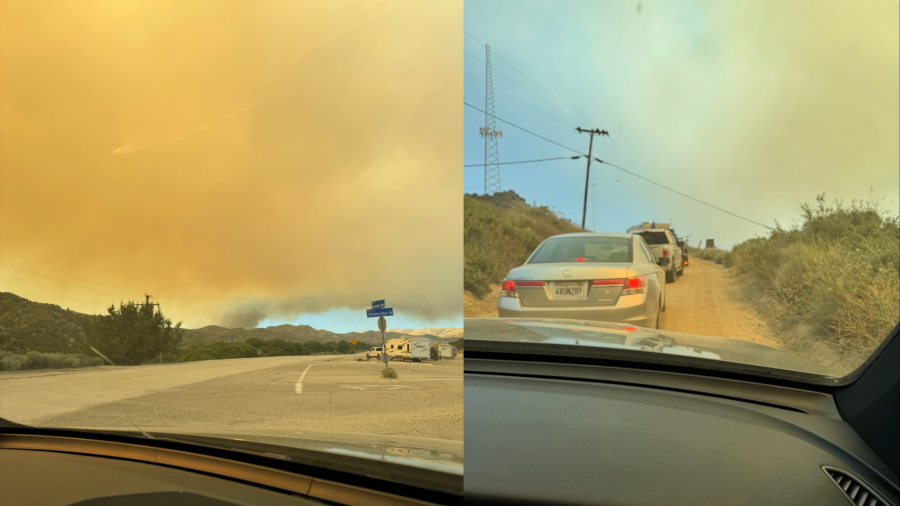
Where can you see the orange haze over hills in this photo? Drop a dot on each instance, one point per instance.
(238, 160)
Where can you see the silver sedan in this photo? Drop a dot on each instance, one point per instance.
(588, 276)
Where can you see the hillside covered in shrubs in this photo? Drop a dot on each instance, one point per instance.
(831, 284)
(500, 231)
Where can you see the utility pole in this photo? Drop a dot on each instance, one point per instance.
(587, 179)
(489, 132)
(147, 303)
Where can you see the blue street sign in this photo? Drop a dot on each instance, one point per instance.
(378, 304)
(384, 311)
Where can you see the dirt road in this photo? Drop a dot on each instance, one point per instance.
(703, 301)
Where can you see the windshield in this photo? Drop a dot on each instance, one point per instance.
(655, 237)
(214, 214)
(584, 249)
(764, 132)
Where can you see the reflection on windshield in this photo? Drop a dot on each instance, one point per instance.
(621, 337)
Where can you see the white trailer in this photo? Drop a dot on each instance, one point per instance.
(414, 349)
(447, 350)
(420, 349)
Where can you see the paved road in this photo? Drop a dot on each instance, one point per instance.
(321, 393)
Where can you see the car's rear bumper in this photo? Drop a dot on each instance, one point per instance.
(631, 310)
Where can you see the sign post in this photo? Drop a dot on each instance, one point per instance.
(380, 311)
(353, 342)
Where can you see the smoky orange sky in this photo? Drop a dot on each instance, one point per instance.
(239, 160)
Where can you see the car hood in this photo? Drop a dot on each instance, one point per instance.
(433, 454)
(629, 337)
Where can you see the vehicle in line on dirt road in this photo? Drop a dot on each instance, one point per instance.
(610, 277)
(664, 244)
(413, 349)
(374, 353)
(683, 244)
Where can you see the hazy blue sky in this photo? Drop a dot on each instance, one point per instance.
(752, 106)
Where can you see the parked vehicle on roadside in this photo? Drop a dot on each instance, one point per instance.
(664, 244)
(414, 349)
(374, 353)
(447, 350)
(608, 277)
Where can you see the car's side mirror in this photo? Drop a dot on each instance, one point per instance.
(662, 262)
(680, 244)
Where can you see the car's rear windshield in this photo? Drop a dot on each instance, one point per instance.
(655, 237)
(584, 249)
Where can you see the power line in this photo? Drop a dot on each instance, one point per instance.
(684, 195)
(527, 131)
(474, 57)
(30, 272)
(533, 93)
(534, 83)
(528, 161)
(625, 170)
(523, 103)
(619, 152)
(473, 38)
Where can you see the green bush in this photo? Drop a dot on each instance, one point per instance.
(833, 281)
(36, 360)
(718, 256)
(251, 348)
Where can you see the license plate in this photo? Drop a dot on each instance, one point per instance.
(567, 289)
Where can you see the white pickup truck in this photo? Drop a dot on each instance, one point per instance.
(663, 243)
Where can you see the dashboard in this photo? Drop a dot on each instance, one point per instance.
(560, 434)
(42, 469)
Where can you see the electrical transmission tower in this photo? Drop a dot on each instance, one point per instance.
(490, 133)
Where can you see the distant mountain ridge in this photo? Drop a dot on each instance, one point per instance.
(303, 333)
(27, 325)
(448, 332)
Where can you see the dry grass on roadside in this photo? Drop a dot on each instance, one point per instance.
(831, 285)
(484, 307)
(36, 360)
(716, 255)
(389, 373)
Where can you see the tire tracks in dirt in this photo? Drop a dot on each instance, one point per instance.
(704, 301)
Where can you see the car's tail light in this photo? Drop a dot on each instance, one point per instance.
(633, 286)
(508, 288)
(665, 252)
(685, 262)
(579, 259)
(608, 282)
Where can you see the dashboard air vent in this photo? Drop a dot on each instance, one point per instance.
(855, 489)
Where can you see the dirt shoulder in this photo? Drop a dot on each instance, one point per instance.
(486, 307)
(704, 301)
